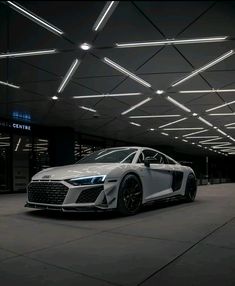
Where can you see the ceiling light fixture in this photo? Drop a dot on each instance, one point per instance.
(230, 124)
(205, 121)
(55, 97)
(194, 133)
(222, 132)
(137, 105)
(206, 91)
(85, 46)
(17, 145)
(126, 72)
(184, 128)
(163, 133)
(221, 146)
(155, 116)
(184, 140)
(159, 91)
(9, 84)
(136, 124)
(171, 42)
(35, 18)
(203, 68)
(27, 54)
(182, 119)
(87, 108)
(222, 114)
(210, 140)
(151, 129)
(68, 75)
(201, 137)
(107, 95)
(104, 15)
(230, 127)
(176, 103)
(220, 106)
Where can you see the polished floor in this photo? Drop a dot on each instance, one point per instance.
(166, 244)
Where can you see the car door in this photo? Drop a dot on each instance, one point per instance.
(158, 176)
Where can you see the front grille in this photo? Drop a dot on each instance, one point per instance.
(89, 195)
(47, 193)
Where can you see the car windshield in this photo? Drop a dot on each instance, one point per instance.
(113, 155)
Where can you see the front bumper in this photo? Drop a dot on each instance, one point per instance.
(60, 195)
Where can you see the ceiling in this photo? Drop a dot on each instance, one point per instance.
(131, 21)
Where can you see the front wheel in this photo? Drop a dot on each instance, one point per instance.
(129, 195)
(191, 188)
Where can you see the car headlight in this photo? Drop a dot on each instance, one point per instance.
(92, 180)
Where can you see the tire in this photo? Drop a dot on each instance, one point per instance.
(191, 188)
(130, 195)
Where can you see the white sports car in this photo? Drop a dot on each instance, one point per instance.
(121, 178)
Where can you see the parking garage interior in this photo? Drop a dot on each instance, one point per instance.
(81, 76)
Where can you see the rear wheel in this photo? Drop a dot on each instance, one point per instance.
(130, 195)
(191, 188)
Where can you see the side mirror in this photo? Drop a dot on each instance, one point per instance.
(147, 162)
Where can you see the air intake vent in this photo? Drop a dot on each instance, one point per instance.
(89, 195)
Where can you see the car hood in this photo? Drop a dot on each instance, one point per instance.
(74, 171)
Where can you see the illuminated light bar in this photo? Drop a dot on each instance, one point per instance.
(205, 121)
(184, 140)
(9, 84)
(194, 133)
(105, 15)
(222, 132)
(221, 146)
(197, 71)
(107, 95)
(136, 124)
(126, 72)
(155, 116)
(175, 102)
(210, 140)
(207, 90)
(35, 18)
(230, 124)
(184, 128)
(201, 137)
(176, 121)
(27, 54)
(171, 42)
(222, 114)
(230, 127)
(17, 145)
(136, 106)
(220, 106)
(163, 133)
(68, 75)
(87, 108)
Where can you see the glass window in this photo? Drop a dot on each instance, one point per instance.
(112, 155)
(158, 158)
(4, 162)
(40, 154)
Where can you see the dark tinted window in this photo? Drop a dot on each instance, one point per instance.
(159, 158)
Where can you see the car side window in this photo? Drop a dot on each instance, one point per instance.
(160, 159)
(170, 161)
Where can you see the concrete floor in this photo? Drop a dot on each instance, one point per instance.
(168, 244)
